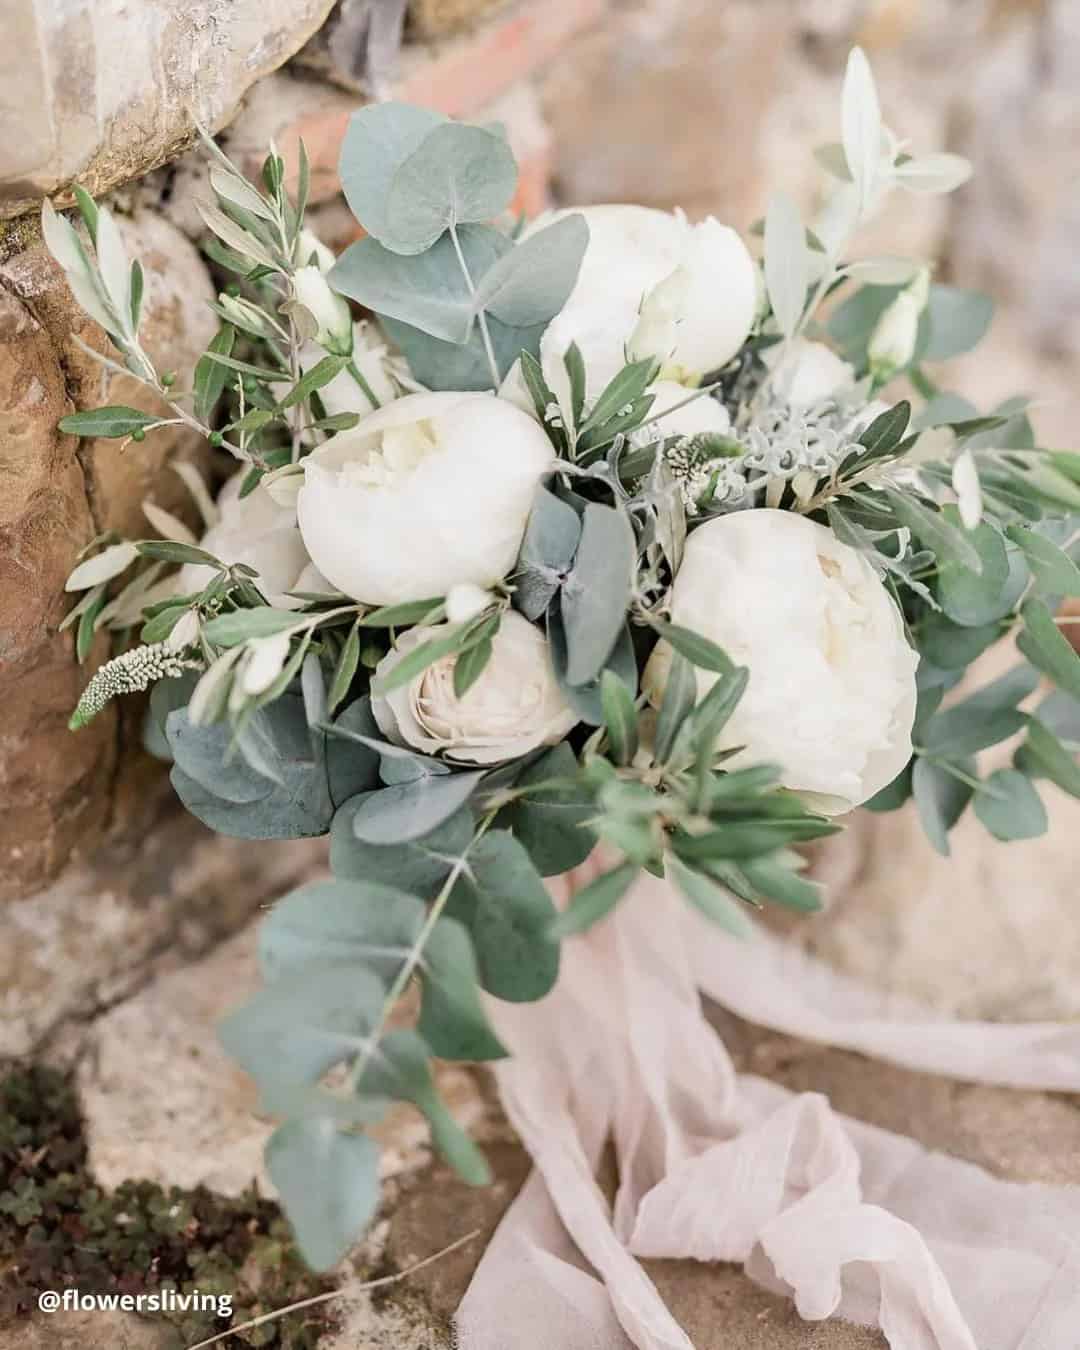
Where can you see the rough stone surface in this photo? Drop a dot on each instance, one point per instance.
(100, 94)
(103, 930)
(89, 1331)
(712, 106)
(200, 1124)
(56, 494)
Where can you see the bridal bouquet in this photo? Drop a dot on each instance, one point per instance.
(594, 534)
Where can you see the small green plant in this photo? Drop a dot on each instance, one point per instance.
(60, 1229)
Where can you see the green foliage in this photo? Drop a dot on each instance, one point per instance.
(502, 902)
(112, 422)
(300, 775)
(59, 1227)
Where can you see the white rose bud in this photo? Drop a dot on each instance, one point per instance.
(330, 311)
(649, 279)
(968, 489)
(892, 343)
(514, 706)
(257, 531)
(427, 493)
(831, 696)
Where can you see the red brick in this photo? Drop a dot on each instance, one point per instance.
(461, 78)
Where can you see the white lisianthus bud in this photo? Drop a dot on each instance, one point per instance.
(892, 343)
(263, 663)
(310, 249)
(257, 531)
(429, 492)
(185, 632)
(805, 373)
(648, 277)
(514, 706)
(465, 601)
(965, 481)
(330, 311)
(657, 331)
(831, 696)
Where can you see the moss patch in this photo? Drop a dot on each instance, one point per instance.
(59, 1229)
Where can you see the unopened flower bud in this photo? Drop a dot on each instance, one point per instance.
(329, 310)
(892, 343)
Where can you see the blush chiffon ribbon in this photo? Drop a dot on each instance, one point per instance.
(844, 1217)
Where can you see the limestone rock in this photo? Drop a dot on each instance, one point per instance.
(97, 1330)
(100, 932)
(100, 94)
(57, 494)
(201, 1122)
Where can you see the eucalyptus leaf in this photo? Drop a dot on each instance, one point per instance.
(585, 698)
(445, 365)
(594, 598)
(457, 175)
(452, 1017)
(940, 799)
(552, 823)
(1044, 754)
(957, 321)
(419, 866)
(378, 140)
(408, 811)
(399, 1068)
(532, 282)
(547, 551)
(1052, 568)
(1009, 806)
(973, 599)
(1047, 648)
(328, 1181)
(427, 290)
(503, 903)
(294, 1030)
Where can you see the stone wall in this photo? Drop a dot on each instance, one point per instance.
(708, 104)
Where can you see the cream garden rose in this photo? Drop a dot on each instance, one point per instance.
(652, 284)
(514, 706)
(430, 492)
(256, 530)
(831, 696)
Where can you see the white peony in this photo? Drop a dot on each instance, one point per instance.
(683, 293)
(427, 493)
(513, 707)
(257, 531)
(804, 373)
(831, 696)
